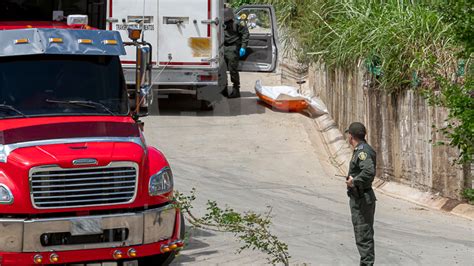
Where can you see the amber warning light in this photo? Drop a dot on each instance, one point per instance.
(110, 42)
(55, 40)
(22, 41)
(134, 33)
(85, 41)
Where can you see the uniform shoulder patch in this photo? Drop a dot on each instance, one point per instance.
(362, 156)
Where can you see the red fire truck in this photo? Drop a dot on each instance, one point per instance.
(78, 183)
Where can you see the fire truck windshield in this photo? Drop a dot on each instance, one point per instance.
(55, 85)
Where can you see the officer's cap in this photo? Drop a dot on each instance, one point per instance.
(357, 130)
(228, 14)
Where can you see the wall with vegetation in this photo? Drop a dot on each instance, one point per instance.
(399, 128)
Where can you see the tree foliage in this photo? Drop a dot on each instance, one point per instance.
(458, 94)
(460, 13)
(459, 99)
(469, 195)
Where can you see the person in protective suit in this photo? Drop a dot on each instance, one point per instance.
(235, 46)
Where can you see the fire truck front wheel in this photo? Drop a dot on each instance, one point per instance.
(162, 259)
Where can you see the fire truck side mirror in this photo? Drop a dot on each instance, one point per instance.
(144, 78)
(141, 96)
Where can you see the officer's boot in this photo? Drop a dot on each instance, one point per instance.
(235, 93)
(225, 92)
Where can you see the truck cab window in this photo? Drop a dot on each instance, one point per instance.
(52, 78)
(42, 10)
(257, 20)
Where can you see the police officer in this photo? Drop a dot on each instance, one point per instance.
(235, 42)
(362, 198)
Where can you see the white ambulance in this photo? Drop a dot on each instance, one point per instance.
(187, 37)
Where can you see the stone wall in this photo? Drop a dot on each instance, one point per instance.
(399, 128)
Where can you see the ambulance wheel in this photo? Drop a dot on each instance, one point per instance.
(206, 105)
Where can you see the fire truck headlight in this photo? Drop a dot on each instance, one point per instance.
(161, 182)
(6, 196)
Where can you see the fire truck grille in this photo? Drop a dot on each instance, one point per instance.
(56, 187)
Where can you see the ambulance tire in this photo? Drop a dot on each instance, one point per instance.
(206, 105)
(163, 259)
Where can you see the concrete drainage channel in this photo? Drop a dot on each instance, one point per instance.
(340, 153)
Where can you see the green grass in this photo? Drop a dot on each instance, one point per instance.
(410, 41)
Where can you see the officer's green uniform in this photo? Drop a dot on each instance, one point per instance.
(236, 37)
(362, 200)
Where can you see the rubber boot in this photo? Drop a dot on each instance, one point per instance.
(235, 93)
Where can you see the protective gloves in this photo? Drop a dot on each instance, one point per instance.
(242, 52)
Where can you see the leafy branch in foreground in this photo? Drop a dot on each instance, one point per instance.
(252, 229)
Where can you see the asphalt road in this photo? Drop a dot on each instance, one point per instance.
(248, 156)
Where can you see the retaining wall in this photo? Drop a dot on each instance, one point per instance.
(399, 128)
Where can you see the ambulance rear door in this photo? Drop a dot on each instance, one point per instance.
(187, 33)
(121, 13)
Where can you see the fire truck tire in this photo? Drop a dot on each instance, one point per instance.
(163, 259)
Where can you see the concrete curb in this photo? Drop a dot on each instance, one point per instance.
(340, 153)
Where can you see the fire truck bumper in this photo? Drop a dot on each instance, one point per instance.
(89, 238)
